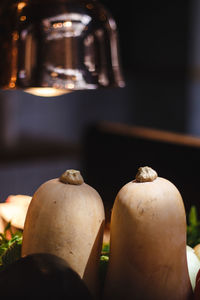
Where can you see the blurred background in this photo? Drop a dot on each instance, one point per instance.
(160, 55)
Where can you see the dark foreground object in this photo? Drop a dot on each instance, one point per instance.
(41, 276)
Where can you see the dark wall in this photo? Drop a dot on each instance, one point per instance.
(153, 35)
(154, 39)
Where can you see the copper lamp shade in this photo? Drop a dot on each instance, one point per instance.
(51, 47)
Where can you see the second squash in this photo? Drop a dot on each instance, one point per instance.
(148, 242)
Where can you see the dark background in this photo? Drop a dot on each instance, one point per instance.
(40, 138)
(156, 43)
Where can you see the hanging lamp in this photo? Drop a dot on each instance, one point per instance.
(51, 47)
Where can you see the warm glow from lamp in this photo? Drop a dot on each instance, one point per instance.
(67, 24)
(23, 18)
(21, 5)
(46, 92)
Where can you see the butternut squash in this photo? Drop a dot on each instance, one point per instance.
(66, 218)
(148, 242)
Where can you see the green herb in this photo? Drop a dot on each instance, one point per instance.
(193, 227)
(10, 248)
(105, 249)
(104, 259)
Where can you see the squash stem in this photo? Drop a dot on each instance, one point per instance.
(71, 177)
(146, 174)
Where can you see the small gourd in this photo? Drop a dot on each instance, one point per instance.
(66, 218)
(148, 242)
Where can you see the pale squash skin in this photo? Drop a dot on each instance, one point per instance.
(68, 221)
(148, 244)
